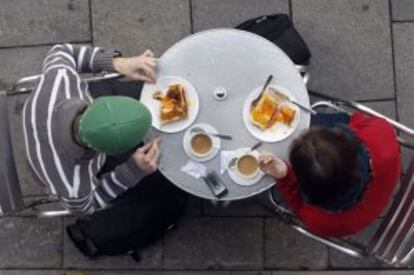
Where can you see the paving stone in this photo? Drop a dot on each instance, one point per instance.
(48, 21)
(386, 108)
(350, 45)
(156, 273)
(245, 207)
(30, 243)
(377, 272)
(168, 273)
(215, 243)
(340, 260)
(151, 257)
(402, 10)
(135, 25)
(26, 177)
(194, 205)
(251, 273)
(404, 66)
(21, 62)
(31, 272)
(353, 272)
(287, 249)
(229, 13)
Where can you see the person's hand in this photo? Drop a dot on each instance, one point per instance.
(273, 166)
(140, 67)
(146, 157)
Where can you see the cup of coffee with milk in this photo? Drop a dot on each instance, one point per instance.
(246, 165)
(201, 144)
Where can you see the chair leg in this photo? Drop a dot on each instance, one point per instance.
(34, 209)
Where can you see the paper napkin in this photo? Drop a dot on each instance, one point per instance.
(225, 157)
(194, 169)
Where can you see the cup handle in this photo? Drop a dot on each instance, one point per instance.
(232, 164)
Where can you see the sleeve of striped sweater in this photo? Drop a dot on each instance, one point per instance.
(108, 187)
(95, 193)
(82, 59)
(112, 184)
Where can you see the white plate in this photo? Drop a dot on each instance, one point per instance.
(234, 175)
(279, 131)
(216, 143)
(154, 105)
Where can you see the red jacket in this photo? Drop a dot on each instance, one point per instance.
(379, 139)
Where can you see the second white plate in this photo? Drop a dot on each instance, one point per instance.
(279, 131)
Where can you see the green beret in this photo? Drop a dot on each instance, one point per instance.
(114, 124)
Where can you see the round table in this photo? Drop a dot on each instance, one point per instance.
(239, 61)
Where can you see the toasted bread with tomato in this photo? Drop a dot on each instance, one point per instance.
(268, 110)
(174, 105)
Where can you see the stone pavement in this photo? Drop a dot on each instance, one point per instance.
(362, 49)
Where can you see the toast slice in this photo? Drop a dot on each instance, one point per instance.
(285, 114)
(174, 105)
(269, 109)
(262, 114)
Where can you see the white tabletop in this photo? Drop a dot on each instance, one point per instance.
(239, 61)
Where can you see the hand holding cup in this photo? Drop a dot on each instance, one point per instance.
(272, 165)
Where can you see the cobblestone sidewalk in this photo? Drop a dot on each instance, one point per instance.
(362, 49)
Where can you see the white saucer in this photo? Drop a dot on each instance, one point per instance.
(216, 143)
(242, 180)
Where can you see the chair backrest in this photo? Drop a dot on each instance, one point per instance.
(394, 240)
(11, 199)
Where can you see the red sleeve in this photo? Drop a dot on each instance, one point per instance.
(288, 186)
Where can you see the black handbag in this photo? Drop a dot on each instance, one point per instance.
(278, 28)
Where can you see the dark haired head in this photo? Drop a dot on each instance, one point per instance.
(326, 165)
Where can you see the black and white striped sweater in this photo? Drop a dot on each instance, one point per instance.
(57, 161)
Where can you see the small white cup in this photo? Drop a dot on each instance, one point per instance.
(203, 154)
(237, 169)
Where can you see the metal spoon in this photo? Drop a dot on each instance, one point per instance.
(257, 145)
(201, 130)
(285, 98)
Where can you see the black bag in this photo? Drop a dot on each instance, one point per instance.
(138, 219)
(278, 28)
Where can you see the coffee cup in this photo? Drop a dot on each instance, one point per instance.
(247, 165)
(201, 144)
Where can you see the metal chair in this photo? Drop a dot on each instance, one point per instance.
(11, 198)
(393, 242)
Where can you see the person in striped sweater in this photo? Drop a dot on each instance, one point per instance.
(68, 134)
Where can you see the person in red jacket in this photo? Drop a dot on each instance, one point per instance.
(340, 178)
